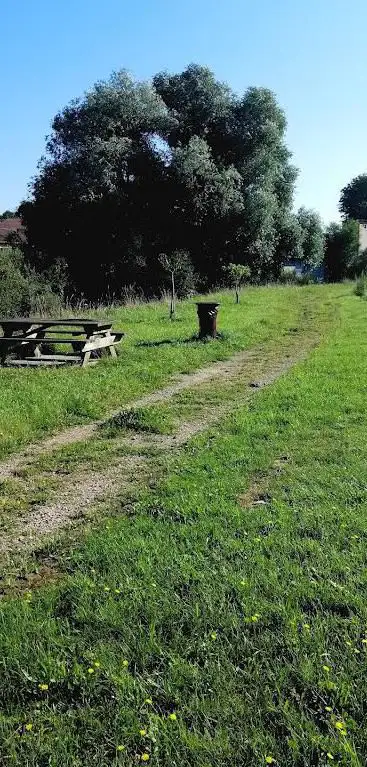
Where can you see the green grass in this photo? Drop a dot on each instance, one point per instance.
(40, 481)
(245, 620)
(36, 402)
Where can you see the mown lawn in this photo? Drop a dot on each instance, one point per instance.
(223, 621)
(36, 402)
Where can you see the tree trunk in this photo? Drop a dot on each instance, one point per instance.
(173, 298)
(237, 295)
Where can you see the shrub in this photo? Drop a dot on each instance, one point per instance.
(360, 286)
(22, 290)
(288, 275)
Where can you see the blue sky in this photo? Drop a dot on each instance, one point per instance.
(311, 53)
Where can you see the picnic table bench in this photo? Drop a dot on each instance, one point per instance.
(28, 338)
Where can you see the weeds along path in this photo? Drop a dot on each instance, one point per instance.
(240, 378)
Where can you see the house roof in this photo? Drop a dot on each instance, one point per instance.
(9, 226)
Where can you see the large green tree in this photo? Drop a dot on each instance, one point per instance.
(342, 250)
(135, 169)
(353, 199)
(312, 237)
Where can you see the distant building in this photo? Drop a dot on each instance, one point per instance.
(317, 273)
(8, 228)
(362, 235)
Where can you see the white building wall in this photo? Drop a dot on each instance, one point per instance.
(362, 235)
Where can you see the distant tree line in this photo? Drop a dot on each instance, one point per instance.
(343, 256)
(134, 170)
(7, 214)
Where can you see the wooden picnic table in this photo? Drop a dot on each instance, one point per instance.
(25, 337)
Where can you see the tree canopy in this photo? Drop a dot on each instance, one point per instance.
(134, 169)
(342, 250)
(353, 199)
(7, 214)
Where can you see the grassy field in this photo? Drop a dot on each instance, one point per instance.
(223, 620)
(36, 402)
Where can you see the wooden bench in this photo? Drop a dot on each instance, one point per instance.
(23, 336)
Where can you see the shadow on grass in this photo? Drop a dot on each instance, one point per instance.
(180, 341)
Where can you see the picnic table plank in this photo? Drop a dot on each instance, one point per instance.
(27, 332)
(50, 322)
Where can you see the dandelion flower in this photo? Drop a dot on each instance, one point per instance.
(172, 717)
(213, 635)
(29, 726)
(148, 701)
(97, 664)
(120, 748)
(269, 760)
(145, 757)
(306, 626)
(125, 663)
(326, 668)
(143, 733)
(43, 687)
(91, 671)
(328, 708)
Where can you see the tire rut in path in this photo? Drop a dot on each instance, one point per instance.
(227, 368)
(75, 497)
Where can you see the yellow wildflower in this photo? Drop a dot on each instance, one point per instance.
(43, 687)
(270, 760)
(143, 733)
(91, 671)
(329, 755)
(107, 588)
(213, 635)
(29, 726)
(97, 664)
(125, 663)
(120, 748)
(148, 701)
(145, 757)
(306, 626)
(326, 668)
(117, 591)
(255, 617)
(328, 708)
(364, 641)
(341, 727)
(172, 717)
